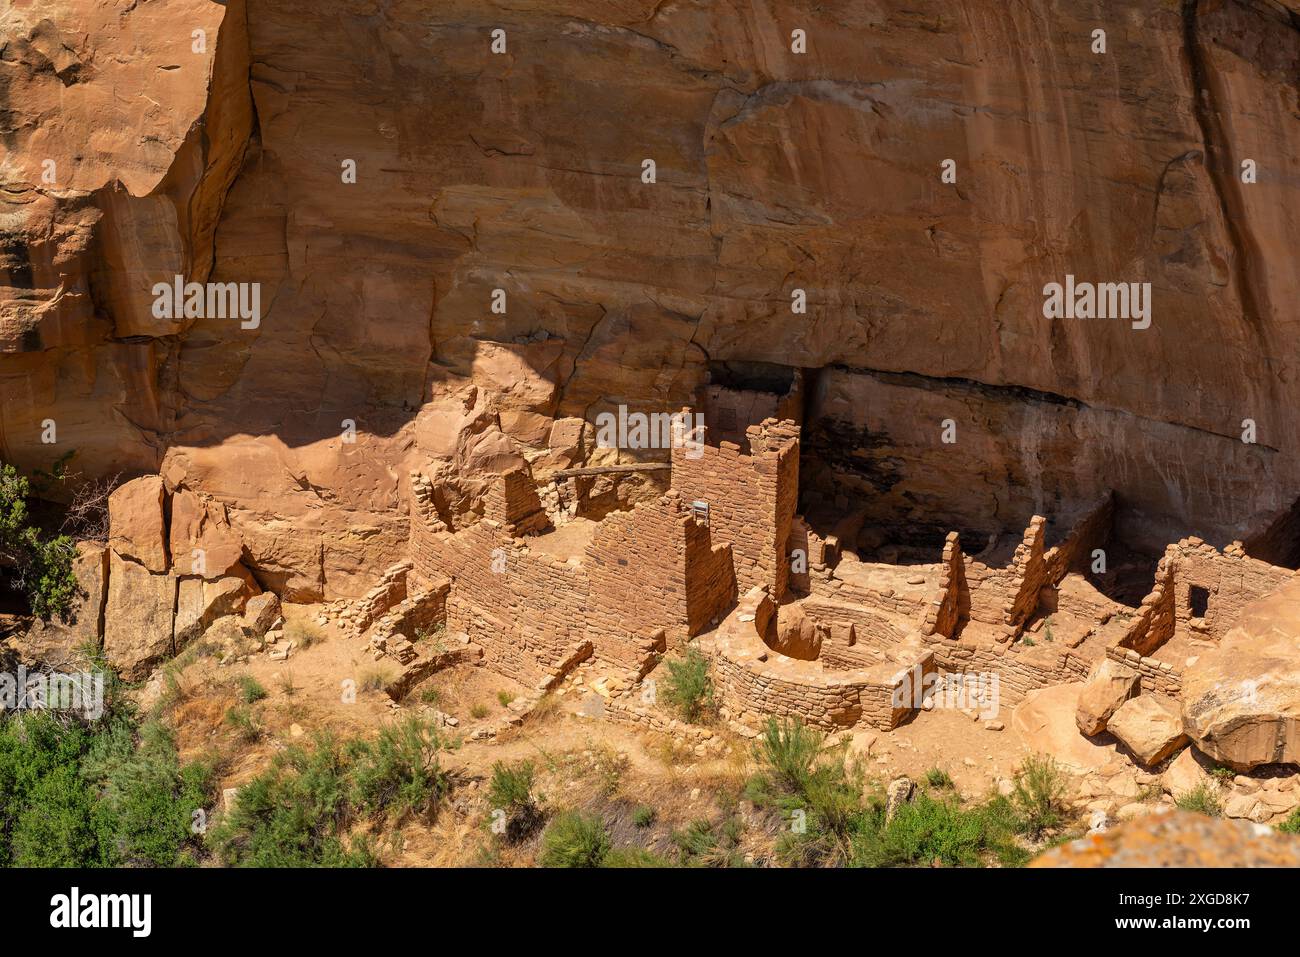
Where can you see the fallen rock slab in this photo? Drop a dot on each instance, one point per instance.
(1110, 684)
(1241, 701)
(1150, 726)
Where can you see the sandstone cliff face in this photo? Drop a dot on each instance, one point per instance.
(776, 171)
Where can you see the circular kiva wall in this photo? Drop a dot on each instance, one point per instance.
(753, 681)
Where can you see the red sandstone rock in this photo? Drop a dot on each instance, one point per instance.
(137, 617)
(1109, 685)
(199, 603)
(53, 642)
(202, 527)
(1241, 701)
(1150, 726)
(1186, 773)
(775, 171)
(138, 527)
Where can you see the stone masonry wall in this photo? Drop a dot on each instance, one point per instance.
(1232, 579)
(753, 682)
(624, 594)
(1088, 533)
(751, 498)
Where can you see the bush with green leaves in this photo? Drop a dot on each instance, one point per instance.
(110, 793)
(399, 772)
(789, 749)
(574, 839)
(833, 822)
(245, 723)
(705, 844)
(511, 799)
(40, 564)
(250, 689)
(294, 814)
(301, 810)
(1202, 799)
(1039, 795)
(928, 830)
(939, 779)
(627, 857)
(688, 688)
(1292, 824)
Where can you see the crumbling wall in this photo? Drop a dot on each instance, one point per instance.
(1230, 578)
(951, 607)
(1075, 550)
(1155, 677)
(1019, 669)
(1155, 621)
(752, 498)
(647, 574)
(1029, 574)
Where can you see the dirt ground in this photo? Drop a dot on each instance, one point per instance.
(581, 760)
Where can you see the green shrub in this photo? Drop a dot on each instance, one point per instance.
(41, 564)
(1039, 795)
(789, 749)
(294, 814)
(250, 690)
(704, 844)
(1292, 824)
(644, 816)
(688, 689)
(832, 822)
(245, 724)
(939, 779)
(504, 698)
(398, 773)
(574, 839)
(926, 830)
(511, 793)
(298, 813)
(1203, 799)
(634, 857)
(105, 793)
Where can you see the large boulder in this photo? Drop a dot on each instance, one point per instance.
(202, 541)
(1241, 701)
(1044, 723)
(137, 524)
(199, 602)
(1109, 685)
(1150, 726)
(261, 615)
(1186, 773)
(137, 617)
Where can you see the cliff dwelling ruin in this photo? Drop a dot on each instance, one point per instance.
(918, 376)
